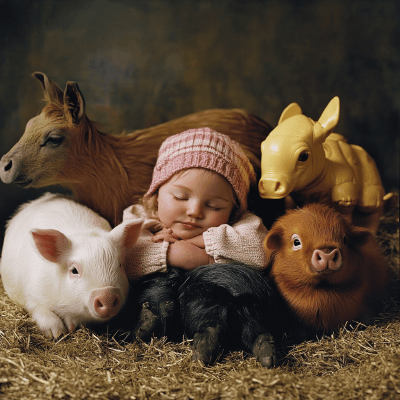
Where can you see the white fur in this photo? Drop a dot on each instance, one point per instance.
(57, 300)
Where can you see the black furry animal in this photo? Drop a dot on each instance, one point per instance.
(231, 307)
(151, 309)
(220, 306)
(155, 306)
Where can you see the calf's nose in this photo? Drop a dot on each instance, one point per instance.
(322, 261)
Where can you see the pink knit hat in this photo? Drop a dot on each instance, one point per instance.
(204, 148)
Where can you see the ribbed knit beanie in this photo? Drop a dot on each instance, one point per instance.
(204, 148)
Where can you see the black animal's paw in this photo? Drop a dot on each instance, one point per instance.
(206, 345)
(167, 308)
(147, 325)
(264, 350)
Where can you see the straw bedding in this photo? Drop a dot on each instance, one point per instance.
(356, 362)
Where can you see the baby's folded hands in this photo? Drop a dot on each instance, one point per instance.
(166, 235)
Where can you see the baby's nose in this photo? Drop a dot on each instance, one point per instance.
(195, 209)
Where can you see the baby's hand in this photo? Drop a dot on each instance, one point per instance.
(166, 235)
(197, 241)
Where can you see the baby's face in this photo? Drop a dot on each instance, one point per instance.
(191, 202)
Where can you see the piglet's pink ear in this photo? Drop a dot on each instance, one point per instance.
(51, 244)
(126, 234)
(272, 243)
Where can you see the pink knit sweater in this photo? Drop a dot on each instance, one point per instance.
(241, 242)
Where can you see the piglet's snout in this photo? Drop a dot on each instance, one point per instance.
(324, 262)
(106, 301)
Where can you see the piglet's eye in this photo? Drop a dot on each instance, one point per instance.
(73, 271)
(296, 242)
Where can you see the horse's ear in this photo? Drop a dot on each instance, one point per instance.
(74, 103)
(290, 111)
(52, 92)
(327, 121)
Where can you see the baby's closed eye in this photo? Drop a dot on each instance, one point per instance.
(214, 207)
(179, 195)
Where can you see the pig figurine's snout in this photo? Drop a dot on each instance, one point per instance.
(106, 301)
(325, 262)
(272, 188)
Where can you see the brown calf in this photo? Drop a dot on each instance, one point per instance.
(61, 146)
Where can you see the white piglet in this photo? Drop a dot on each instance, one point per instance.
(62, 262)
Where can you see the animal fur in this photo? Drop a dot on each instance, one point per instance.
(222, 306)
(229, 306)
(107, 173)
(324, 300)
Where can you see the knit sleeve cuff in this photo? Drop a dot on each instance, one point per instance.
(242, 242)
(145, 258)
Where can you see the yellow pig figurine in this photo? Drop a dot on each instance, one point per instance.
(304, 159)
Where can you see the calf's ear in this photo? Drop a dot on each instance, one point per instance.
(74, 103)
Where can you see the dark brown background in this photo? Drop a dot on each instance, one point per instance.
(143, 62)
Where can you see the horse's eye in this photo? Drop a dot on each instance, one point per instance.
(54, 141)
(303, 157)
(53, 138)
(74, 271)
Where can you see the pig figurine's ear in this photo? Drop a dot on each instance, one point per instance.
(327, 122)
(126, 234)
(51, 244)
(290, 111)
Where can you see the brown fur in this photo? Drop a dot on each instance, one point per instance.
(323, 302)
(108, 172)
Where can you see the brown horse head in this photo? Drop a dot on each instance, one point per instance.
(37, 160)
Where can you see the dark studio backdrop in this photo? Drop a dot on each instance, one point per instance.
(143, 62)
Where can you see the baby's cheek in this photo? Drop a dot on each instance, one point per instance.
(219, 219)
